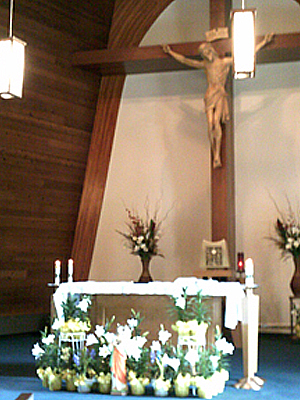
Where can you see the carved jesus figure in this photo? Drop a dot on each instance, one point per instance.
(215, 100)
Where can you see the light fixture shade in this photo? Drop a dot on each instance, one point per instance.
(12, 59)
(243, 43)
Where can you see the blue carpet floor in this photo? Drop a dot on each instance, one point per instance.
(279, 365)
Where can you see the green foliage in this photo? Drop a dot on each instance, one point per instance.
(140, 366)
(186, 308)
(199, 308)
(50, 355)
(72, 307)
(185, 366)
(204, 367)
(83, 363)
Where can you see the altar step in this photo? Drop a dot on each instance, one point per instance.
(25, 396)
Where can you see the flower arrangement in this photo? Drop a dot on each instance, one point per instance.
(211, 367)
(185, 308)
(48, 359)
(75, 314)
(287, 229)
(163, 366)
(143, 235)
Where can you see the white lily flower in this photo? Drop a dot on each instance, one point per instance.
(215, 361)
(56, 324)
(132, 323)
(133, 350)
(172, 362)
(224, 346)
(99, 331)
(141, 340)
(192, 356)
(124, 333)
(37, 351)
(164, 335)
(110, 337)
(48, 340)
(104, 351)
(91, 339)
(84, 305)
(180, 302)
(156, 346)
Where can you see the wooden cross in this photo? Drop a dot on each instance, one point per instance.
(122, 57)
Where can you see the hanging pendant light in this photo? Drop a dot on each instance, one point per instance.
(243, 42)
(12, 60)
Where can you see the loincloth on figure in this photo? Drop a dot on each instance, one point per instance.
(216, 98)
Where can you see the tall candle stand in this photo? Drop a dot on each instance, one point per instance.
(250, 306)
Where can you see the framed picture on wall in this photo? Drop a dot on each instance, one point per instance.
(214, 255)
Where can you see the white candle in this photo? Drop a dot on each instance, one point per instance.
(57, 266)
(249, 273)
(70, 270)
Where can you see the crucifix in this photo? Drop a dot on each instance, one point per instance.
(215, 99)
(123, 56)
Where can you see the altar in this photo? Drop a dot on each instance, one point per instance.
(152, 300)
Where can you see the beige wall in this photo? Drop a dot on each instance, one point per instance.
(161, 152)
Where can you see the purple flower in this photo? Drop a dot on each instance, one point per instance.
(76, 360)
(152, 356)
(93, 353)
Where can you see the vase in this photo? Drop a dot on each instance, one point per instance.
(145, 276)
(161, 387)
(55, 382)
(137, 388)
(182, 385)
(181, 390)
(85, 386)
(104, 381)
(295, 282)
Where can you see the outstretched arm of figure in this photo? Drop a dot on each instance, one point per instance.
(267, 39)
(182, 59)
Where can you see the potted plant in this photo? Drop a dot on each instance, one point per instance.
(47, 356)
(211, 367)
(164, 363)
(85, 374)
(137, 362)
(102, 344)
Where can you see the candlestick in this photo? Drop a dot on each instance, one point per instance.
(249, 273)
(57, 266)
(70, 270)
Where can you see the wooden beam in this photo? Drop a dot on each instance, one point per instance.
(222, 179)
(138, 60)
(96, 173)
(131, 20)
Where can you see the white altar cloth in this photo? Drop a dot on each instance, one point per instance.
(232, 291)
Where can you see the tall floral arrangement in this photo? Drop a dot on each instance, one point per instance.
(287, 229)
(143, 234)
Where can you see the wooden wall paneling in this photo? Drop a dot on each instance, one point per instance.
(44, 141)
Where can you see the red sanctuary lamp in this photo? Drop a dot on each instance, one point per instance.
(240, 263)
